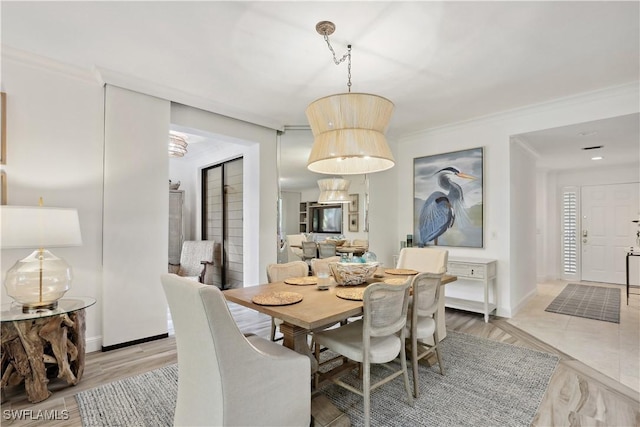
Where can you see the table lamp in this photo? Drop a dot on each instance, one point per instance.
(41, 279)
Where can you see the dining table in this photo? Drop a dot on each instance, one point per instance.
(314, 309)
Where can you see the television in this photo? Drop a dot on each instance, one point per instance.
(326, 219)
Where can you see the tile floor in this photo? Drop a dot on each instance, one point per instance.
(610, 348)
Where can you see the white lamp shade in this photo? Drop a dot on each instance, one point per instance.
(177, 144)
(334, 190)
(39, 227)
(348, 131)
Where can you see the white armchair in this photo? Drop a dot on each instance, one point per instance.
(295, 253)
(196, 261)
(225, 378)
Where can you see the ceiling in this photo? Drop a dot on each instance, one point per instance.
(263, 61)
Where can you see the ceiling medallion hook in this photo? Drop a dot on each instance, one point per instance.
(325, 28)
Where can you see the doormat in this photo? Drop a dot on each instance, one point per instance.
(592, 302)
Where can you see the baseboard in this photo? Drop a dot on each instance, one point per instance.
(524, 301)
(134, 342)
(93, 344)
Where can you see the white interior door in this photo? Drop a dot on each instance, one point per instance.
(607, 231)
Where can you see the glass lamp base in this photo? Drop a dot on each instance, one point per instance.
(36, 307)
(38, 281)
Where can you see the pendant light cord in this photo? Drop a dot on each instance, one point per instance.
(346, 56)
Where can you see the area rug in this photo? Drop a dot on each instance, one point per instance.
(487, 383)
(592, 302)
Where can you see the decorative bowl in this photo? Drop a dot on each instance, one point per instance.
(338, 242)
(352, 273)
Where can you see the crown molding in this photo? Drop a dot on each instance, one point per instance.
(522, 142)
(136, 84)
(48, 64)
(626, 89)
(102, 76)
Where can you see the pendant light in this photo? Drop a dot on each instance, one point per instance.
(348, 128)
(177, 144)
(334, 190)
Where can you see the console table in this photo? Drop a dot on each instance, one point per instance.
(42, 345)
(477, 269)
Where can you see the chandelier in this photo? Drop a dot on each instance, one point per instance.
(177, 144)
(348, 128)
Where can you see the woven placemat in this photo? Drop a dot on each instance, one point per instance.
(301, 281)
(355, 294)
(395, 281)
(401, 271)
(277, 298)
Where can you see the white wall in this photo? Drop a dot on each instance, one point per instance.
(136, 212)
(494, 133)
(523, 231)
(54, 150)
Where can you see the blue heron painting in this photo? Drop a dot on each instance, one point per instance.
(448, 199)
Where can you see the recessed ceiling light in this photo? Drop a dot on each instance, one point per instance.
(597, 158)
(588, 133)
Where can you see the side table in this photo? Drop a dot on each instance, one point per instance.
(43, 345)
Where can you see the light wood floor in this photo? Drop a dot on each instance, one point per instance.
(577, 395)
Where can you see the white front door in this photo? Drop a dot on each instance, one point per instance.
(606, 231)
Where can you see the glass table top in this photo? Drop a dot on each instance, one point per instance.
(13, 311)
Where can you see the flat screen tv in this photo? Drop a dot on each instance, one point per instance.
(326, 219)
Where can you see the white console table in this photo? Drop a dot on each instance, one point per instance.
(478, 269)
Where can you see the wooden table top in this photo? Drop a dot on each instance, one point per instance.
(317, 308)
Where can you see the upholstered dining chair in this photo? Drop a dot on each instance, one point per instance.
(326, 249)
(225, 378)
(376, 339)
(422, 320)
(196, 260)
(280, 272)
(309, 251)
(427, 260)
(319, 265)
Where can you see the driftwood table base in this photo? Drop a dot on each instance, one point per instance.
(35, 350)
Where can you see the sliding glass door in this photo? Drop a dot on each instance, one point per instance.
(222, 221)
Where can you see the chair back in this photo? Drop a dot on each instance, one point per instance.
(426, 294)
(280, 272)
(309, 250)
(207, 339)
(326, 249)
(192, 255)
(424, 260)
(322, 265)
(385, 309)
(360, 242)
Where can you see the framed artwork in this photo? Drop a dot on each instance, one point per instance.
(353, 222)
(3, 129)
(448, 199)
(353, 204)
(3, 188)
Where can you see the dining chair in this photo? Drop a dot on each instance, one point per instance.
(322, 265)
(309, 251)
(225, 378)
(378, 338)
(427, 260)
(422, 320)
(360, 242)
(326, 249)
(280, 272)
(196, 260)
